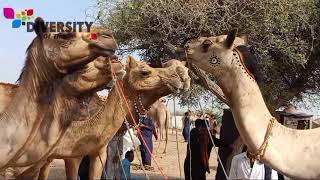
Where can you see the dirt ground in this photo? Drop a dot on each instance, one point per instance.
(168, 162)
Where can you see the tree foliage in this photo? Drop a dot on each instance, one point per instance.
(283, 34)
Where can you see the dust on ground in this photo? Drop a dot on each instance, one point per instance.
(168, 161)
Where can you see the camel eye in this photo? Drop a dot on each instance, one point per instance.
(206, 44)
(65, 35)
(145, 72)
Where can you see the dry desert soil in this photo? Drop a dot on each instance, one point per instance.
(168, 161)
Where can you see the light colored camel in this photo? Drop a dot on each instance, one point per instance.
(295, 153)
(160, 113)
(83, 82)
(49, 57)
(90, 137)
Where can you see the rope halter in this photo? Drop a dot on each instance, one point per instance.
(258, 155)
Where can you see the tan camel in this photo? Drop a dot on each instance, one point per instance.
(49, 57)
(91, 136)
(160, 113)
(295, 153)
(85, 82)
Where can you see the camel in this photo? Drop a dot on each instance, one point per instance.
(142, 85)
(294, 153)
(83, 82)
(160, 113)
(49, 58)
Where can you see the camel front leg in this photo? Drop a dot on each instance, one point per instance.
(30, 174)
(97, 165)
(72, 167)
(45, 170)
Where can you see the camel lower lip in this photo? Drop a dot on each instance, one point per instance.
(173, 88)
(107, 52)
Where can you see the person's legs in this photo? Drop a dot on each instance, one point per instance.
(185, 134)
(186, 169)
(143, 153)
(150, 147)
(198, 173)
(83, 171)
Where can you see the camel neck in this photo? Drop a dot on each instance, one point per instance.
(248, 107)
(290, 152)
(19, 122)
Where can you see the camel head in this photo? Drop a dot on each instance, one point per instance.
(214, 54)
(93, 77)
(224, 57)
(68, 50)
(51, 55)
(145, 85)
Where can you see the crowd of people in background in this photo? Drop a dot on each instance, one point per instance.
(200, 143)
(201, 136)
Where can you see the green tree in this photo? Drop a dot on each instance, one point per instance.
(283, 34)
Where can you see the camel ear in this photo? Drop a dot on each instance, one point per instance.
(230, 38)
(132, 63)
(39, 27)
(244, 37)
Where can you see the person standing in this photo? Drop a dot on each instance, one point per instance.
(213, 124)
(186, 126)
(114, 152)
(245, 167)
(200, 145)
(147, 129)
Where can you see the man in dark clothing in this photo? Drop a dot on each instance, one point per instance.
(147, 129)
(186, 126)
(200, 146)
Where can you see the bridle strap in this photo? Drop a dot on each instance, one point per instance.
(242, 62)
(258, 155)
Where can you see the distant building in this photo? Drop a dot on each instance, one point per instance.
(315, 123)
(293, 118)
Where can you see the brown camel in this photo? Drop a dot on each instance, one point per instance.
(90, 137)
(294, 153)
(160, 113)
(49, 58)
(85, 82)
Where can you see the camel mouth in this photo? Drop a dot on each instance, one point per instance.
(174, 88)
(103, 50)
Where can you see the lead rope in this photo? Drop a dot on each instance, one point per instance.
(215, 150)
(139, 158)
(175, 122)
(114, 79)
(189, 146)
(219, 159)
(122, 168)
(143, 140)
(103, 165)
(123, 98)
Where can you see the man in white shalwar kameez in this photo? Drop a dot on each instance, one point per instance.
(241, 168)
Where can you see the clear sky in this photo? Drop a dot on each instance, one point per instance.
(15, 41)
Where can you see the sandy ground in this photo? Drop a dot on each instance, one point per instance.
(168, 162)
